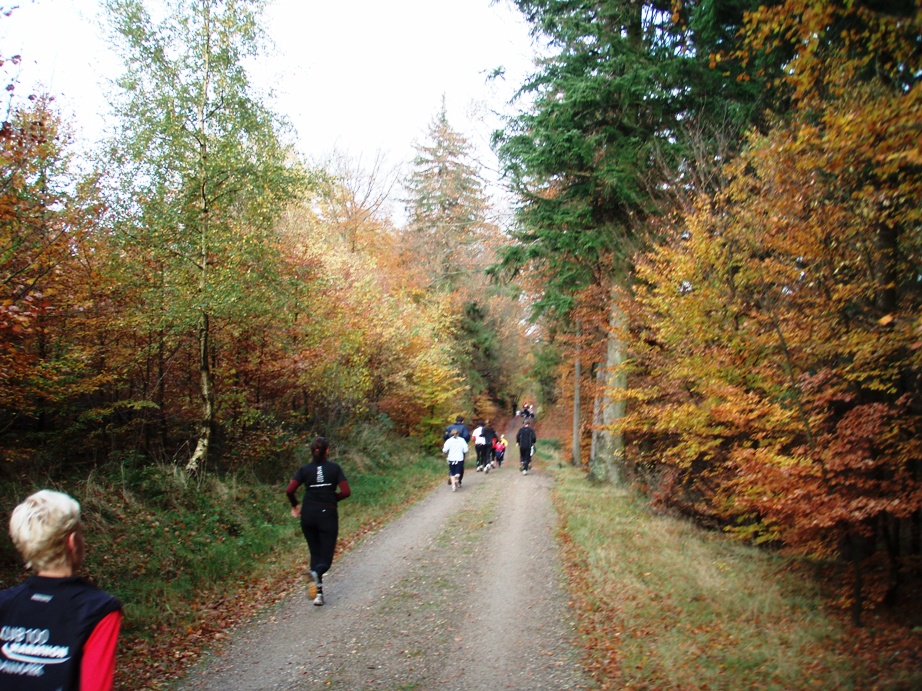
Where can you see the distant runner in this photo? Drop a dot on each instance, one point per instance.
(526, 439)
(499, 450)
(464, 433)
(489, 439)
(477, 436)
(455, 447)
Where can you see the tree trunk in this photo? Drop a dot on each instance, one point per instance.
(577, 375)
(161, 391)
(200, 457)
(915, 533)
(608, 465)
(885, 242)
(892, 529)
(596, 414)
(857, 582)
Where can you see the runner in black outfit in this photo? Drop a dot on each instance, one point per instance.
(489, 437)
(526, 439)
(319, 517)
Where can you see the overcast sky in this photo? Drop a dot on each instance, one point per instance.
(358, 76)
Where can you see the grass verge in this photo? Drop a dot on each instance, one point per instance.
(663, 604)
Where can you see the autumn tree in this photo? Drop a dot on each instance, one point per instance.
(199, 174)
(47, 365)
(355, 198)
(783, 324)
(358, 342)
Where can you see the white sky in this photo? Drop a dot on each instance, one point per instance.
(358, 76)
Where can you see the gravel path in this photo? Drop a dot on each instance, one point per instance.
(462, 592)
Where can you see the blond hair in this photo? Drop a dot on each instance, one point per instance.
(40, 526)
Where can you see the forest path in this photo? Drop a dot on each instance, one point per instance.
(463, 591)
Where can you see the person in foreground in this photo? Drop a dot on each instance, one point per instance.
(325, 486)
(57, 630)
(455, 447)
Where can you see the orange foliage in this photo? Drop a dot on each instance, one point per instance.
(47, 277)
(779, 337)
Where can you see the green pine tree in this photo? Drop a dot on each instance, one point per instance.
(605, 142)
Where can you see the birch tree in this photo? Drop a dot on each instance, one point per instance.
(200, 174)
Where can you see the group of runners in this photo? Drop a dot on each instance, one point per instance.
(527, 411)
(489, 446)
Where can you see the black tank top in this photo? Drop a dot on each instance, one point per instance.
(44, 624)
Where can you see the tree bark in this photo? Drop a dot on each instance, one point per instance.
(857, 582)
(596, 414)
(885, 242)
(577, 375)
(608, 465)
(200, 457)
(161, 391)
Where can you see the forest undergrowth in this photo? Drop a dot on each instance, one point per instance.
(664, 604)
(190, 558)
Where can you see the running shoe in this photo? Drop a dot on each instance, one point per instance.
(318, 601)
(486, 469)
(524, 472)
(312, 585)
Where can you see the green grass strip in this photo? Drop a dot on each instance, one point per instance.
(663, 604)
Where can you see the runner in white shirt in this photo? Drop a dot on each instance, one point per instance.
(478, 441)
(455, 447)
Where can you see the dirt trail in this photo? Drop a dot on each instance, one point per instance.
(464, 592)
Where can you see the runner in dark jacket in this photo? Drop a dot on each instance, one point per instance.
(459, 425)
(489, 438)
(526, 439)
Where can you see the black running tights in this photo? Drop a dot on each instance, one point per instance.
(320, 528)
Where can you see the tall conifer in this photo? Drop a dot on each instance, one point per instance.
(601, 146)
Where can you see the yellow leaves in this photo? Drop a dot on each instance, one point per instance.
(778, 382)
(830, 44)
(368, 340)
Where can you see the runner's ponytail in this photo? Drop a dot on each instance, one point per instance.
(319, 449)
